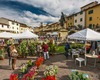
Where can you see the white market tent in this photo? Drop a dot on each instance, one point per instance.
(54, 33)
(25, 35)
(86, 34)
(6, 35)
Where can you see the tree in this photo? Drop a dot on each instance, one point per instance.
(62, 20)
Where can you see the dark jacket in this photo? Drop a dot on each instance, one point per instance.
(67, 46)
(8, 50)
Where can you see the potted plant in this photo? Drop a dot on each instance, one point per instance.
(23, 49)
(2, 54)
(50, 73)
(76, 75)
(52, 48)
(23, 70)
(31, 48)
(29, 63)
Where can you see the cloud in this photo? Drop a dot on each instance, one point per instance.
(26, 17)
(55, 7)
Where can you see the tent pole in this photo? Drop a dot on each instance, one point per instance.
(85, 46)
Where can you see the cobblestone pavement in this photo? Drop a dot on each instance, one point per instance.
(5, 69)
(65, 67)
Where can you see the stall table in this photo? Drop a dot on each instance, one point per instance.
(91, 56)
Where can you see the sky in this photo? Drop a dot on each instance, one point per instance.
(33, 12)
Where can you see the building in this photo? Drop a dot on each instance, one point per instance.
(70, 20)
(79, 19)
(13, 26)
(89, 5)
(24, 27)
(93, 16)
(9, 25)
(4, 27)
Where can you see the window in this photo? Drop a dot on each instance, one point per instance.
(80, 19)
(13, 23)
(90, 12)
(70, 23)
(2, 25)
(90, 18)
(17, 24)
(75, 21)
(90, 26)
(12, 27)
(68, 18)
(81, 12)
(17, 28)
(75, 14)
(7, 26)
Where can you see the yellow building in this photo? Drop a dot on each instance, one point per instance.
(70, 20)
(24, 27)
(93, 16)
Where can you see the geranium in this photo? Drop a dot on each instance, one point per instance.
(30, 74)
(39, 61)
(49, 78)
(51, 71)
(14, 77)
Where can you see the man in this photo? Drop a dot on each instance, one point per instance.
(8, 51)
(45, 50)
(67, 47)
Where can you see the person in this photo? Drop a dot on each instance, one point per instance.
(8, 52)
(88, 47)
(13, 56)
(45, 50)
(39, 49)
(98, 51)
(67, 47)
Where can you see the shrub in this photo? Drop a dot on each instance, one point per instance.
(75, 75)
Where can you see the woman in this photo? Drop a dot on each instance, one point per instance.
(39, 49)
(13, 56)
(88, 47)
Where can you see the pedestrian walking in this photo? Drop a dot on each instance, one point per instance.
(45, 50)
(67, 47)
(14, 55)
(8, 52)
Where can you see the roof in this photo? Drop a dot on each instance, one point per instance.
(4, 24)
(8, 19)
(78, 12)
(70, 15)
(92, 7)
(89, 4)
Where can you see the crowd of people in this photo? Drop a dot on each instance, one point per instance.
(42, 49)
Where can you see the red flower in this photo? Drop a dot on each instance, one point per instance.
(14, 77)
(29, 75)
(39, 61)
(49, 78)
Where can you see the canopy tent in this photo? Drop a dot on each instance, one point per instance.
(25, 35)
(86, 34)
(7, 35)
(54, 33)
